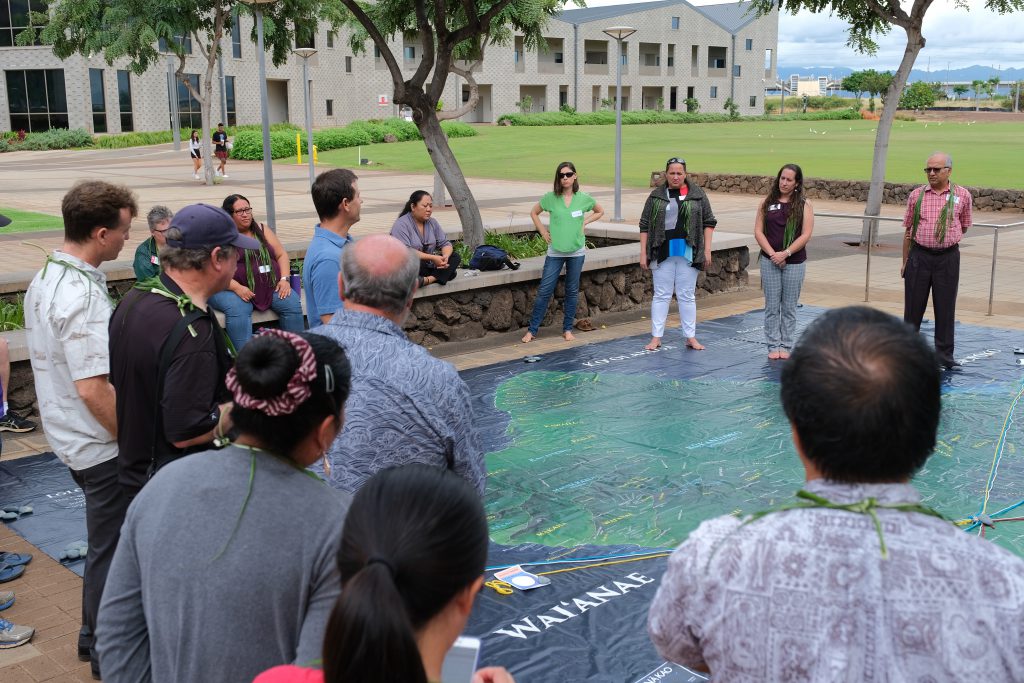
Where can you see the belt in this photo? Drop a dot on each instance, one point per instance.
(937, 251)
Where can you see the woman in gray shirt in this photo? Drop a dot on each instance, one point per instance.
(423, 234)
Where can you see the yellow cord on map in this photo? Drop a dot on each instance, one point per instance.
(603, 564)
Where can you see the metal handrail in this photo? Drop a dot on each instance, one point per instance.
(995, 227)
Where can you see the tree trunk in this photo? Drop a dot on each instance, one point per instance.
(915, 43)
(448, 168)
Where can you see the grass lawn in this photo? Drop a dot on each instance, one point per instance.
(984, 154)
(29, 221)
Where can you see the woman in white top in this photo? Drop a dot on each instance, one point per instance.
(195, 149)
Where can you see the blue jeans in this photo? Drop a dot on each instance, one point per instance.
(238, 314)
(552, 269)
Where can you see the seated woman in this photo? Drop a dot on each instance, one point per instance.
(225, 566)
(261, 280)
(423, 234)
(411, 560)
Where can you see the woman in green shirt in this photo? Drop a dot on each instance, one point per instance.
(566, 206)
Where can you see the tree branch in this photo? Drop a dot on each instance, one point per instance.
(381, 42)
(427, 36)
(474, 22)
(474, 90)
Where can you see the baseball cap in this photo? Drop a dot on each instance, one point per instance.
(204, 227)
(4, 221)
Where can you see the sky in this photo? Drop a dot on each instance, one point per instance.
(954, 35)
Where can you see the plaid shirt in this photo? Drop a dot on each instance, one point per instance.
(931, 207)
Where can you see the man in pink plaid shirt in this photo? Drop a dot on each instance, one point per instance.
(938, 214)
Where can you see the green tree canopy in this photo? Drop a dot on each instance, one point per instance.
(919, 95)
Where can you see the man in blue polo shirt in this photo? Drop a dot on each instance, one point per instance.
(337, 201)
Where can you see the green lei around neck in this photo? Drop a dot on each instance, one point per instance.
(155, 285)
(945, 216)
(262, 258)
(868, 506)
(71, 266)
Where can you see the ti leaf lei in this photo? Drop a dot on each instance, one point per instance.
(155, 285)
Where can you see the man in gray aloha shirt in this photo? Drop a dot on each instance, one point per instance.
(858, 581)
(405, 406)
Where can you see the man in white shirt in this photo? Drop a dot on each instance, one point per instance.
(67, 310)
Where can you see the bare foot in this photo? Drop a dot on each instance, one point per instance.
(783, 355)
(654, 344)
(527, 338)
(694, 344)
(774, 355)
(567, 336)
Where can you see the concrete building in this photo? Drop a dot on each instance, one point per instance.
(709, 53)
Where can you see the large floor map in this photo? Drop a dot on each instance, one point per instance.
(607, 444)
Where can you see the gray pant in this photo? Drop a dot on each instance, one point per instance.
(781, 294)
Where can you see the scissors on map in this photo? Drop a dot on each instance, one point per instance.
(500, 587)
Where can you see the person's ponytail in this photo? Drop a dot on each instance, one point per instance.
(369, 638)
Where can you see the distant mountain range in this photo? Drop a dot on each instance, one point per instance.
(966, 74)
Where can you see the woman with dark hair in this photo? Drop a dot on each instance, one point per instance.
(417, 230)
(225, 565)
(676, 226)
(783, 226)
(566, 206)
(411, 561)
(195, 150)
(261, 279)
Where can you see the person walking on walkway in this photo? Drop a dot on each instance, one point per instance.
(195, 150)
(220, 150)
(782, 227)
(566, 206)
(676, 227)
(937, 217)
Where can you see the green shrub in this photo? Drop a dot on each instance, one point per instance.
(248, 144)
(457, 129)
(567, 109)
(12, 314)
(336, 138)
(55, 138)
(122, 140)
(517, 246)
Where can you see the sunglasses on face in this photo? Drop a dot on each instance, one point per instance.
(569, 174)
(934, 169)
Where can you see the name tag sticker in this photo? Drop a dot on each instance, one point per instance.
(154, 260)
(956, 200)
(264, 269)
(577, 214)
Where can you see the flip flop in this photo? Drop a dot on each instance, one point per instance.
(14, 559)
(74, 552)
(10, 513)
(9, 573)
(6, 599)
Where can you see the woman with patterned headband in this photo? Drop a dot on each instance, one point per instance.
(261, 279)
(226, 561)
(783, 226)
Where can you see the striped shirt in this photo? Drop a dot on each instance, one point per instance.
(931, 207)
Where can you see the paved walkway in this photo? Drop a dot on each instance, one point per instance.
(49, 595)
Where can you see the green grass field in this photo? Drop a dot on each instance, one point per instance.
(985, 154)
(29, 221)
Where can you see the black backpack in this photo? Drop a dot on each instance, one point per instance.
(486, 257)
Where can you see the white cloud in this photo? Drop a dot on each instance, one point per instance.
(955, 35)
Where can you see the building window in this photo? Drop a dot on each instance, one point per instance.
(736, 70)
(330, 107)
(229, 97)
(376, 52)
(714, 92)
(348, 64)
(236, 36)
(188, 107)
(124, 101)
(36, 99)
(15, 17)
(675, 23)
(559, 58)
(99, 101)
(410, 53)
(750, 44)
(671, 61)
(185, 42)
(753, 100)
(330, 38)
(518, 56)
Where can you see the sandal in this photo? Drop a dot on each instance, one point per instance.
(585, 325)
(9, 573)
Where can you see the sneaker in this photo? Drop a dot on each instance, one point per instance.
(6, 599)
(12, 422)
(224, 175)
(12, 635)
(196, 176)
(217, 173)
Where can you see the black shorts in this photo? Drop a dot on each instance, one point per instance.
(196, 154)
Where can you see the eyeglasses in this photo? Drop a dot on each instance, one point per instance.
(159, 231)
(243, 211)
(567, 175)
(675, 160)
(934, 169)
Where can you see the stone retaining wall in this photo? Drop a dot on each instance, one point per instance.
(476, 313)
(985, 198)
